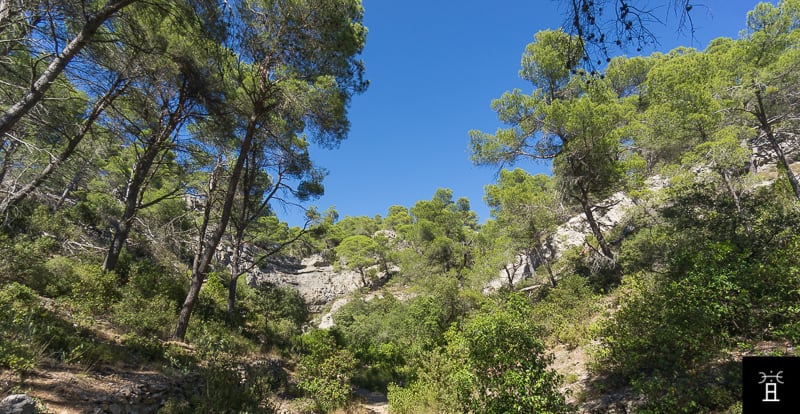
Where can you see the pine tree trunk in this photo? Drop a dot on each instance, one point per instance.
(196, 282)
(605, 249)
(775, 145)
(235, 272)
(117, 243)
(546, 263)
(206, 248)
(232, 296)
(596, 231)
(19, 109)
(133, 194)
(737, 203)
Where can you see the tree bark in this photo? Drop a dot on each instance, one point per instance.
(596, 231)
(519, 261)
(133, 196)
(240, 224)
(737, 203)
(206, 248)
(509, 276)
(97, 109)
(132, 191)
(605, 249)
(235, 270)
(769, 132)
(546, 263)
(13, 114)
(142, 168)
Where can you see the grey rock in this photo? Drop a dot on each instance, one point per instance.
(18, 404)
(318, 282)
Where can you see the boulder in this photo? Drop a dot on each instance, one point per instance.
(18, 404)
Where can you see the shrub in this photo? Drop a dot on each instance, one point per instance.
(28, 332)
(492, 363)
(670, 329)
(418, 398)
(43, 221)
(213, 299)
(94, 290)
(431, 391)
(325, 370)
(211, 337)
(151, 279)
(151, 317)
(564, 312)
(61, 276)
(22, 260)
(277, 313)
(501, 366)
(226, 389)
(179, 358)
(144, 346)
(19, 315)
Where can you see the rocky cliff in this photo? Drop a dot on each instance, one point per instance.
(317, 281)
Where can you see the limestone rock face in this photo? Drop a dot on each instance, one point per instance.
(315, 279)
(573, 232)
(326, 321)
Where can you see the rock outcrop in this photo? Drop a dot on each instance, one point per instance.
(573, 232)
(317, 281)
(18, 404)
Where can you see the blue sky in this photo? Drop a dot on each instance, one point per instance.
(434, 67)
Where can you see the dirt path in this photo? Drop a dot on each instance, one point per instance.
(72, 390)
(374, 402)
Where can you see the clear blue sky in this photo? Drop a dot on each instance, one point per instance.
(434, 67)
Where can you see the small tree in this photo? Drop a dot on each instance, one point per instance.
(575, 119)
(358, 253)
(526, 209)
(501, 364)
(325, 371)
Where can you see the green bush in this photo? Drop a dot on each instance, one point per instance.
(144, 346)
(211, 337)
(325, 370)
(589, 263)
(22, 260)
(177, 405)
(151, 279)
(276, 313)
(19, 317)
(94, 290)
(30, 332)
(670, 331)
(212, 303)
(418, 398)
(431, 391)
(179, 358)
(226, 389)
(152, 317)
(61, 276)
(501, 366)
(43, 221)
(493, 362)
(565, 311)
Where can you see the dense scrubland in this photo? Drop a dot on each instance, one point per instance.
(147, 146)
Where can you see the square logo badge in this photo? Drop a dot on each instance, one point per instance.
(770, 385)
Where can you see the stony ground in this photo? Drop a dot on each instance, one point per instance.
(73, 390)
(67, 389)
